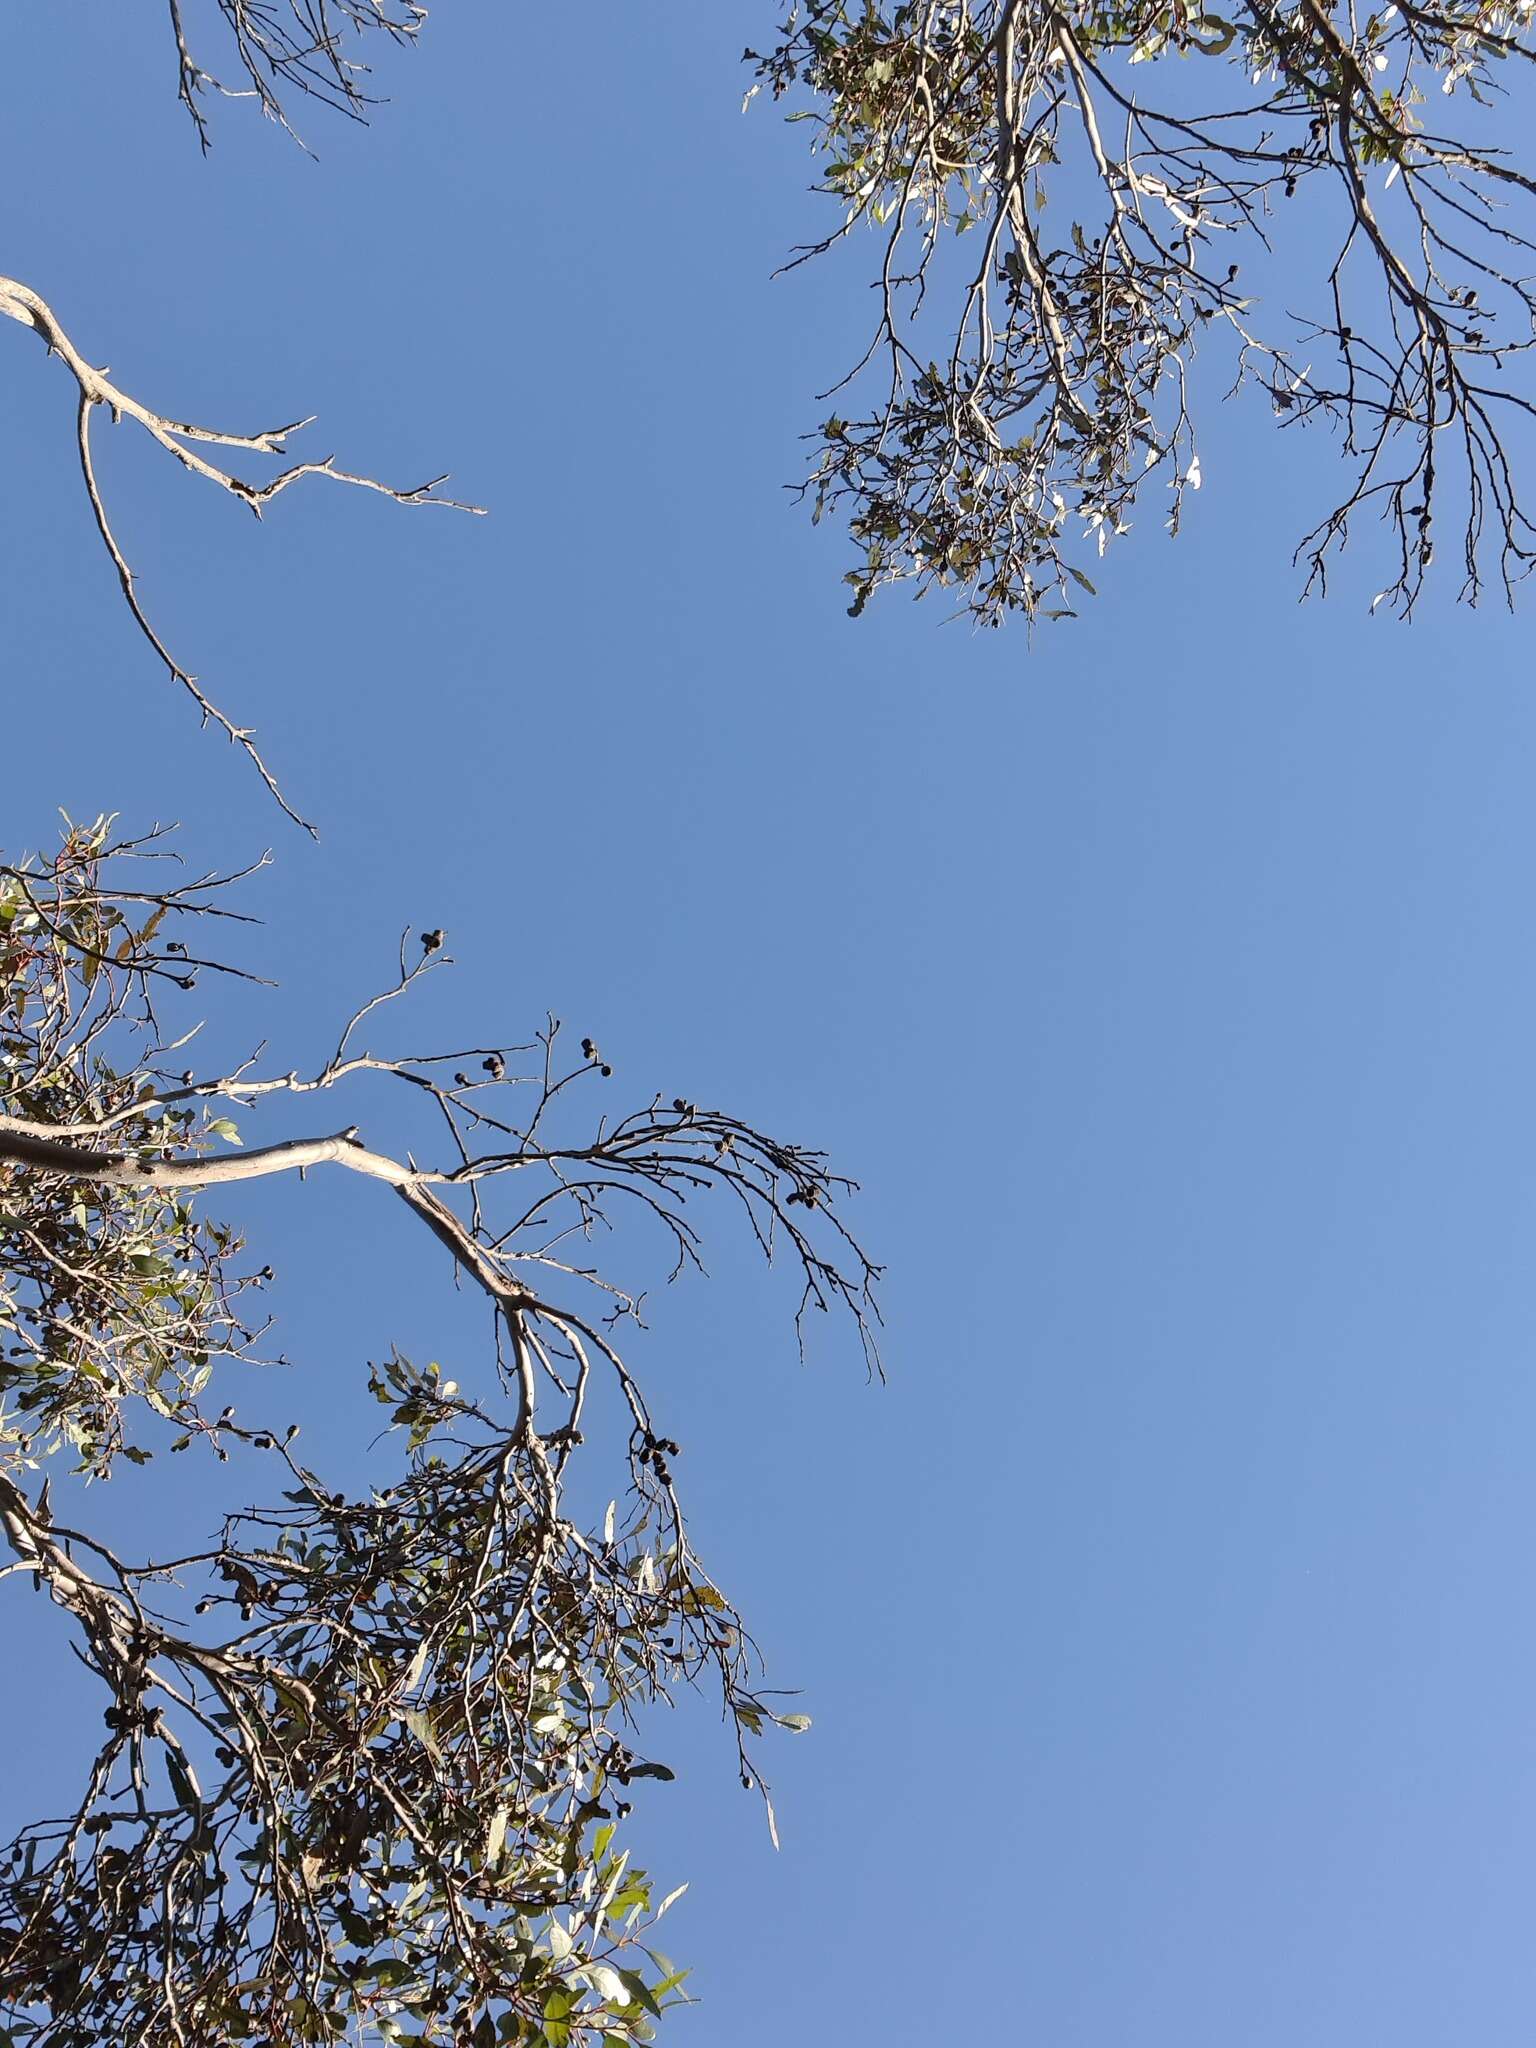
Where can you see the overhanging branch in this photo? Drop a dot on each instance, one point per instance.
(187, 444)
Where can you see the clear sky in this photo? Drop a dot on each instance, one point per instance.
(1169, 985)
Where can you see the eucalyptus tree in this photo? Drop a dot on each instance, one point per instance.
(367, 1746)
(1325, 203)
(365, 1753)
(1090, 225)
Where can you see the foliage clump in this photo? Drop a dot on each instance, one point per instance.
(365, 1752)
(1138, 184)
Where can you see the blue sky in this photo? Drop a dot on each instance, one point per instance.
(1168, 985)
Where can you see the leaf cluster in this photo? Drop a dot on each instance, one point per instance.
(364, 1754)
(1127, 178)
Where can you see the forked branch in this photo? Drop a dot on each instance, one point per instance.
(188, 445)
(365, 1753)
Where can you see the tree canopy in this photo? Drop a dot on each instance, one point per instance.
(365, 1751)
(364, 1756)
(1323, 206)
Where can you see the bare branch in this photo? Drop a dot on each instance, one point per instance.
(186, 444)
(301, 46)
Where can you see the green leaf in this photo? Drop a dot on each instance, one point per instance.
(496, 1835)
(1222, 33)
(556, 2006)
(420, 1725)
(608, 1984)
(183, 1784)
(640, 1991)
